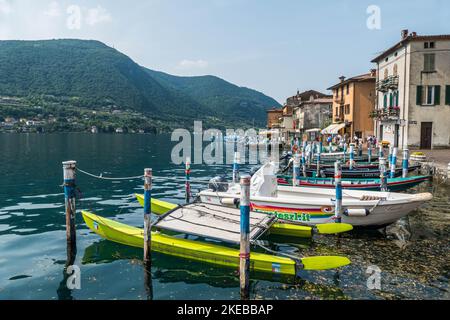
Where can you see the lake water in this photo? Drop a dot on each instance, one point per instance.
(412, 255)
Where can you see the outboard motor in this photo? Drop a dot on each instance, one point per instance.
(218, 184)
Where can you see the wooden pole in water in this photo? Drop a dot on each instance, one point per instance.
(394, 162)
(345, 151)
(338, 185)
(369, 153)
(318, 162)
(296, 171)
(244, 266)
(303, 163)
(236, 163)
(188, 180)
(69, 168)
(360, 149)
(383, 176)
(148, 173)
(405, 163)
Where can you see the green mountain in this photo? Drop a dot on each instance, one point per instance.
(90, 74)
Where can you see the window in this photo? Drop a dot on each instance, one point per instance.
(428, 95)
(395, 70)
(447, 95)
(429, 45)
(385, 101)
(429, 62)
(337, 112)
(386, 73)
(347, 109)
(348, 88)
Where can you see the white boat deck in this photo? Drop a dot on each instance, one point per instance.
(215, 222)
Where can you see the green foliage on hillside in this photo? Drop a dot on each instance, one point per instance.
(91, 75)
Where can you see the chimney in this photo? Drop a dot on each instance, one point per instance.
(342, 78)
(373, 72)
(413, 34)
(404, 34)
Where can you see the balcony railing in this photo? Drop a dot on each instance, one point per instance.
(388, 83)
(391, 113)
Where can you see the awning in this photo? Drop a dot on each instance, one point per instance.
(333, 129)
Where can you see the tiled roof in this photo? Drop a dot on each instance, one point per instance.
(360, 78)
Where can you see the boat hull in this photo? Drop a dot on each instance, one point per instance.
(357, 173)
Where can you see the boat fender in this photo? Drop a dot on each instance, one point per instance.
(230, 202)
(356, 212)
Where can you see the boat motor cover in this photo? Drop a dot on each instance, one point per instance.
(264, 181)
(218, 184)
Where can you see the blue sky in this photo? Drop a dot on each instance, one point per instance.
(272, 46)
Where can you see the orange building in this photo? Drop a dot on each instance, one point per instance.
(353, 102)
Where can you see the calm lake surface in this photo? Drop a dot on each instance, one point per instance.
(412, 255)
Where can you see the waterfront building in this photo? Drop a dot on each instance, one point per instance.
(413, 92)
(353, 102)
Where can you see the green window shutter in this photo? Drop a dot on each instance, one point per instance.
(419, 95)
(385, 101)
(447, 95)
(391, 100)
(396, 99)
(437, 95)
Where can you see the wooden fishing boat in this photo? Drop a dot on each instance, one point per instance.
(395, 184)
(206, 251)
(314, 206)
(357, 172)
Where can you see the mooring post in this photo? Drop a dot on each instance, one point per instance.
(394, 162)
(303, 163)
(187, 185)
(383, 176)
(405, 163)
(148, 173)
(360, 149)
(69, 168)
(296, 170)
(244, 266)
(236, 164)
(352, 156)
(318, 163)
(345, 151)
(391, 149)
(338, 185)
(369, 153)
(380, 151)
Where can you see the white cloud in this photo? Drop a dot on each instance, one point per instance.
(5, 7)
(97, 15)
(191, 64)
(53, 10)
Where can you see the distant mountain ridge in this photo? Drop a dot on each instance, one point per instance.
(89, 73)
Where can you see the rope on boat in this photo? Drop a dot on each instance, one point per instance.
(108, 178)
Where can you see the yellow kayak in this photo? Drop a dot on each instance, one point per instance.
(206, 252)
(284, 229)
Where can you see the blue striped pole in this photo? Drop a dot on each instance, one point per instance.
(148, 173)
(188, 180)
(345, 151)
(303, 163)
(296, 170)
(405, 163)
(338, 184)
(394, 162)
(236, 167)
(244, 256)
(383, 176)
(380, 151)
(360, 149)
(369, 153)
(69, 168)
(391, 149)
(318, 163)
(352, 156)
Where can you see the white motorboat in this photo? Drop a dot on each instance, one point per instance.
(313, 206)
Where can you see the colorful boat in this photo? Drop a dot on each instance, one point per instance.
(314, 206)
(357, 172)
(395, 184)
(205, 251)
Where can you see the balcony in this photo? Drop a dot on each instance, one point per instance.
(388, 83)
(339, 118)
(339, 100)
(389, 114)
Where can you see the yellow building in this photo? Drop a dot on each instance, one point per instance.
(353, 102)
